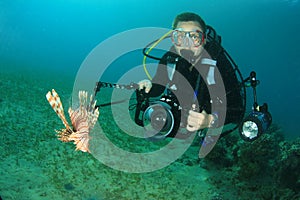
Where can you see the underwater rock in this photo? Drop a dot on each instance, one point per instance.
(69, 186)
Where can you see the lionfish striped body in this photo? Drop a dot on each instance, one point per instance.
(83, 119)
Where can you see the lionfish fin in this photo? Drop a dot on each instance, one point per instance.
(55, 102)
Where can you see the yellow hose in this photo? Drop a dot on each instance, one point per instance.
(150, 49)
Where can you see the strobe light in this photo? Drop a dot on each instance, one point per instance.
(256, 123)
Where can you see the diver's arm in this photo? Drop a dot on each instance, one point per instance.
(213, 109)
(158, 84)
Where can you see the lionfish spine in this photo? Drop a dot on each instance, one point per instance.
(92, 104)
(93, 117)
(82, 98)
(55, 102)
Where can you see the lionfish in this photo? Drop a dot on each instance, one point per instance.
(83, 119)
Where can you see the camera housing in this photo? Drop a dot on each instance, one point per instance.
(161, 118)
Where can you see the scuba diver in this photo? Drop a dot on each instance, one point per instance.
(197, 88)
(199, 76)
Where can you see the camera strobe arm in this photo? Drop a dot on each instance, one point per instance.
(251, 81)
(101, 84)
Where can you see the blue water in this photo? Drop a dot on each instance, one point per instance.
(261, 35)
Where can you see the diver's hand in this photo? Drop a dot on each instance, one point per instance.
(197, 121)
(145, 84)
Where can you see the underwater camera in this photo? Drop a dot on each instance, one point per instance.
(161, 118)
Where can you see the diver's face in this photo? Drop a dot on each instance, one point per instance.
(190, 26)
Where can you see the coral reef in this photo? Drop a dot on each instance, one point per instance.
(267, 168)
(289, 165)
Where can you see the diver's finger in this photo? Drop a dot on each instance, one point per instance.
(147, 89)
(192, 120)
(204, 112)
(191, 128)
(193, 113)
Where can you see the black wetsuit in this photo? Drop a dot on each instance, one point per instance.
(211, 85)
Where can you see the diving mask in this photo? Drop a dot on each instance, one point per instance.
(188, 39)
